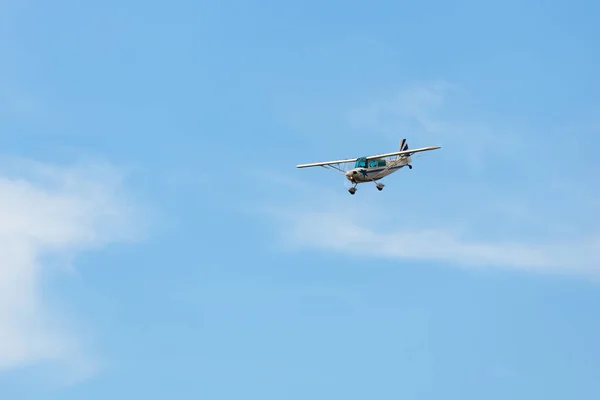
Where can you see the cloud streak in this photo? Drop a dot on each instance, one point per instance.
(48, 211)
(337, 231)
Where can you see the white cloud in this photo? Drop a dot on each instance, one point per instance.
(345, 233)
(50, 211)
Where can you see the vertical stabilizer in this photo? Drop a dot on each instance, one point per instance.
(403, 147)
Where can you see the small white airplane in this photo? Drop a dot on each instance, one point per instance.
(372, 168)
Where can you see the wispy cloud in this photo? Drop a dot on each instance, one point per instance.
(329, 220)
(437, 112)
(412, 104)
(341, 232)
(54, 211)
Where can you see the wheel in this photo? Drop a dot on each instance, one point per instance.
(409, 166)
(352, 190)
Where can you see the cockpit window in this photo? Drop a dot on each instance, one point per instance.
(361, 163)
(377, 163)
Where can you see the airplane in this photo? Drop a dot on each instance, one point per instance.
(372, 168)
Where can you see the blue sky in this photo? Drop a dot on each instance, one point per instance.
(157, 241)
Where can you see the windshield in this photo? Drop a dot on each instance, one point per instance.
(361, 163)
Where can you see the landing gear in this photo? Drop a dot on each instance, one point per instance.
(352, 190)
(409, 166)
(379, 186)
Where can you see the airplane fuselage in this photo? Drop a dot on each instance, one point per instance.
(374, 170)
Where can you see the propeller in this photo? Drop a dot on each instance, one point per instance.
(347, 183)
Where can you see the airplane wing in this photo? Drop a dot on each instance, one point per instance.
(396, 153)
(321, 164)
(405, 152)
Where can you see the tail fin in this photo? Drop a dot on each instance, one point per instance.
(403, 147)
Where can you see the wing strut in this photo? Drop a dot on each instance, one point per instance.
(334, 167)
